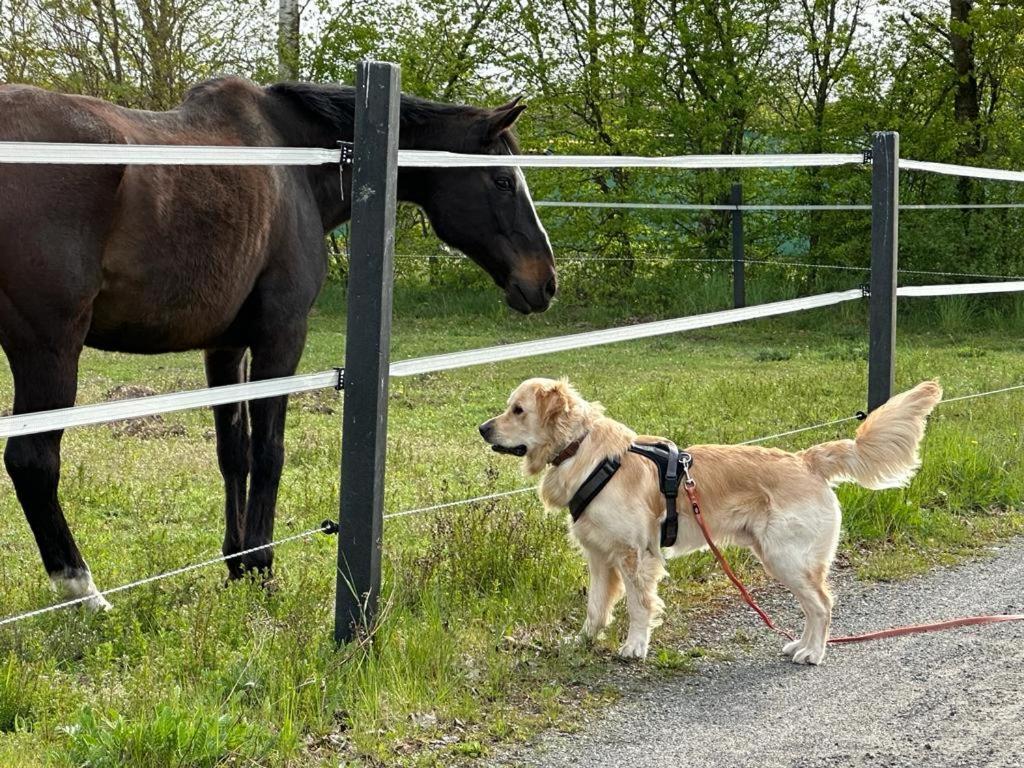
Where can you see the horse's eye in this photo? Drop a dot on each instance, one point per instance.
(517, 410)
(505, 183)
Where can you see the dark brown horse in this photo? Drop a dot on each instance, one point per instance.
(153, 259)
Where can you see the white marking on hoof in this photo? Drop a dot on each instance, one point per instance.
(74, 584)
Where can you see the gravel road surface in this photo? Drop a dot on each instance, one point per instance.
(953, 698)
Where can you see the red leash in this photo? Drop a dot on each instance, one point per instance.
(691, 493)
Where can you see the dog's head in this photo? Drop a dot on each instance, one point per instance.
(542, 417)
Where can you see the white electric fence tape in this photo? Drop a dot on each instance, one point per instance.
(153, 154)
(101, 413)
(414, 158)
(947, 169)
(137, 154)
(959, 290)
(609, 335)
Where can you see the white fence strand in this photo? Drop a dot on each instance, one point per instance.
(1011, 286)
(947, 169)
(136, 154)
(102, 413)
(153, 154)
(610, 335)
(413, 158)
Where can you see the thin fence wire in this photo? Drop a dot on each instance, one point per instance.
(980, 394)
(823, 424)
(322, 528)
(756, 207)
(759, 262)
(458, 503)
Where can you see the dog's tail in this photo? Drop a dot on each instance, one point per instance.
(884, 453)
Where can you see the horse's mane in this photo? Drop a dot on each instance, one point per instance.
(336, 105)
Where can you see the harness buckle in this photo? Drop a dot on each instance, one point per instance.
(686, 460)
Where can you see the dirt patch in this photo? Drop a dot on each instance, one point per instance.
(145, 427)
(324, 401)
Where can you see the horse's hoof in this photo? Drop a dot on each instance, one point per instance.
(75, 584)
(97, 604)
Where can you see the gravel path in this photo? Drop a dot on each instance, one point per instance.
(946, 699)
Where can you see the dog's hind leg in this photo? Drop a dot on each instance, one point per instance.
(798, 554)
(641, 571)
(604, 592)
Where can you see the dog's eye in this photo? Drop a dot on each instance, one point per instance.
(516, 410)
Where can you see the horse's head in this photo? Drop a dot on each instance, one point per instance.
(487, 213)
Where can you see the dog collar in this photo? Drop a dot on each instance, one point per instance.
(569, 451)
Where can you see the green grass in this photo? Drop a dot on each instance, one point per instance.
(480, 605)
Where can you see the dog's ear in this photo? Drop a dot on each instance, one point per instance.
(554, 400)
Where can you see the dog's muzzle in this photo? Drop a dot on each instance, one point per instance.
(487, 430)
(517, 450)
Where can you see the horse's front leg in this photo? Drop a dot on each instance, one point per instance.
(46, 378)
(227, 366)
(270, 359)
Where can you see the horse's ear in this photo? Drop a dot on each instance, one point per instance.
(503, 117)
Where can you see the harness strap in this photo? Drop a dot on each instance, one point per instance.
(672, 465)
(592, 486)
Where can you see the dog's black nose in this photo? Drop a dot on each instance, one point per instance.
(485, 429)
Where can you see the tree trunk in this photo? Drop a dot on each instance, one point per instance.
(288, 40)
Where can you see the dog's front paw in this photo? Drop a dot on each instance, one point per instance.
(809, 656)
(634, 648)
(792, 647)
(591, 630)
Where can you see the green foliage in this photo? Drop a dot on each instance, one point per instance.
(18, 690)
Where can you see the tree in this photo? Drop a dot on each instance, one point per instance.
(145, 53)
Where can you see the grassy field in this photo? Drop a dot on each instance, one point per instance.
(481, 604)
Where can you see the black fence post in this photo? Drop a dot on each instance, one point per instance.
(367, 346)
(885, 196)
(739, 289)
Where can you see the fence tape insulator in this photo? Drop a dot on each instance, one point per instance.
(415, 158)
(609, 335)
(161, 154)
(101, 413)
(961, 289)
(948, 169)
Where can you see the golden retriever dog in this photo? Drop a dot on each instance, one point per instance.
(779, 504)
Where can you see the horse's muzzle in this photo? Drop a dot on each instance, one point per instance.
(528, 296)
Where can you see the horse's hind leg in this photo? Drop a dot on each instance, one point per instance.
(47, 378)
(227, 366)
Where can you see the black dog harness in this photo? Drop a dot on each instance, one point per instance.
(673, 466)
